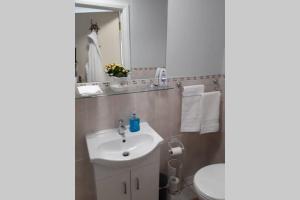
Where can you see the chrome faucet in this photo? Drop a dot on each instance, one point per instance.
(121, 128)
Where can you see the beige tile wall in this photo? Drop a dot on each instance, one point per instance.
(143, 72)
(161, 109)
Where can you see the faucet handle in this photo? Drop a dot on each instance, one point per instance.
(121, 123)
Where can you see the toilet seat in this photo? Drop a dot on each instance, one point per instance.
(209, 182)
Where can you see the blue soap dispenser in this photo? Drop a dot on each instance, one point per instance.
(134, 123)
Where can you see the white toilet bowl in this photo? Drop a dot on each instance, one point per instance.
(209, 182)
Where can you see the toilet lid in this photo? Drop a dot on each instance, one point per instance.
(210, 181)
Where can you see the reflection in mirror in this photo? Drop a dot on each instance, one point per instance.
(98, 42)
(186, 38)
(196, 37)
(138, 40)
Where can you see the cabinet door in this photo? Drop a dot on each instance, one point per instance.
(116, 187)
(145, 182)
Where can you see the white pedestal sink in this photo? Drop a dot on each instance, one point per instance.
(106, 147)
(126, 170)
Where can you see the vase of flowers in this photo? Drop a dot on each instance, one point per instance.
(118, 76)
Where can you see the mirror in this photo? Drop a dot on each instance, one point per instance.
(185, 37)
(98, 42)
(131, 33)
(196, 38)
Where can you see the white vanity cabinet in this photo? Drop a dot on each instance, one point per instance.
(114, 187)
(126, 168)
(139, 181)
(145, 182)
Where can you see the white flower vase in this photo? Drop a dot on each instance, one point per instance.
(119, 84)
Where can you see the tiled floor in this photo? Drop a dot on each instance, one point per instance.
(188, 192)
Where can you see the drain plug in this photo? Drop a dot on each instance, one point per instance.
(126, 153)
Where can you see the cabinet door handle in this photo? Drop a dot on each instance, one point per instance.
(125, 187)
(137, 183)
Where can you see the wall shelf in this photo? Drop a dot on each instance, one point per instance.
(107, 91)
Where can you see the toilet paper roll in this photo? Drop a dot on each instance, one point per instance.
(176, 151)
(173, 184)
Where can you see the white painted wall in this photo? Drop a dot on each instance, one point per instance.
(196, 37)
(148, 30)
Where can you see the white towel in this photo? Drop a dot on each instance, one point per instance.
(94, 67)
(89, 89)
(192, 90)
(210, 109)
(190, 109)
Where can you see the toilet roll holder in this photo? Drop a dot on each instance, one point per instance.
(173, 143)
(175, 166)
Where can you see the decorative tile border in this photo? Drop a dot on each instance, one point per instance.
(144, 68)
(143, 72)
(141, 82)
(149, 72)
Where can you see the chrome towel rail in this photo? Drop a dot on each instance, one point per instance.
(215, 82)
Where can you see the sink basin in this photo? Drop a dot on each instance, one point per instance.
(107, 146)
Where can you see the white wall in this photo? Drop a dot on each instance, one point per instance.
(196, 37)
(148, 30)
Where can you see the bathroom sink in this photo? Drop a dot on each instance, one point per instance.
(107, 146)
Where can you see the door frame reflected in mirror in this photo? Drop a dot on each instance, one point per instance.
(123, 9)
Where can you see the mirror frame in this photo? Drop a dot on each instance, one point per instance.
(123, 9)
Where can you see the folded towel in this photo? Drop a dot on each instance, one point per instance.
(89, 89)
(190, 109)
(192, 90)
(210, 108)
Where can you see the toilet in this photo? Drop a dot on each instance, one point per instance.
(209, 182)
